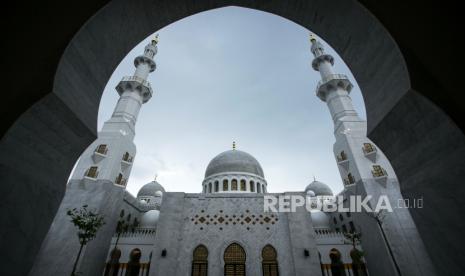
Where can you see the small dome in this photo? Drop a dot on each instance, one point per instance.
(151, 189)
(320, 220)
(234, 161)
(149, 219)
(319, 188)
(310, 193)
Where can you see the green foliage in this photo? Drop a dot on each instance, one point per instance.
(87, 222)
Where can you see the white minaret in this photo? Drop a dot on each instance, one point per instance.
(365, 170)
(111, 156)
(99, 180)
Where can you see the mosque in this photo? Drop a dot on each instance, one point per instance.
(224, 229)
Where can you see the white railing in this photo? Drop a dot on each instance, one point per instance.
(332, 77)
(136, 78)
(121, 269)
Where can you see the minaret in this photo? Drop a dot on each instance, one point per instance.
(99, 180)
(365, 170)
(111, 156)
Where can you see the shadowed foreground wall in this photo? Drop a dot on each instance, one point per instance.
(56, 84)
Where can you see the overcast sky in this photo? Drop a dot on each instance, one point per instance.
(232, 74)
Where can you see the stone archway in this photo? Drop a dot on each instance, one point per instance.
(40, 148)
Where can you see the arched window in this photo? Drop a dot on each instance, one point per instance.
(234, 260)
(252, 186)
(234, 185)
(210, 187)
(217, 186)
(337, 266)
(258, 188)
(225, 185)
(269, 262)
(112, 267)
(133, 265)
(263, 188)
(243, 188)
(200, 261)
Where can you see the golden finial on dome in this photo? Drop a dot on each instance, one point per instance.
(155, 39)
(312, 38)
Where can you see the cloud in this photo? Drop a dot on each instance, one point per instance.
(232, 74)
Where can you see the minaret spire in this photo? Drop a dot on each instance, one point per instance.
(366, 171)
(101, 174)
(111, 156)
(333, 88)
(134, 91)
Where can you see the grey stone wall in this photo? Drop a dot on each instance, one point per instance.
(427, 150)
(41, 147)
(60, 247)
(217, 220)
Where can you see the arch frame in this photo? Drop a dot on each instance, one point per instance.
(67, 115)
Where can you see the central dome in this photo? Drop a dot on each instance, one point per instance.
(234, 161)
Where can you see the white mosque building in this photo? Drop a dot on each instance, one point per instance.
(224, 229)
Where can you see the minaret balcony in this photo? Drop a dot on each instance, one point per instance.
(134, 83)
(342, 160)
(147, 60)
(379, 173)
(126, 161)
(91, 173)
(97, 156)
(348, 181)
(332, 82)
(122, 182)
(100, 153)
(319, 59)
(343, 163)
(369, 150)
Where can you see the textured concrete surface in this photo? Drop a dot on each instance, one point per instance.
(427, 150)
(188, 220)
(40, 148)
(61, 245)
(36, 158)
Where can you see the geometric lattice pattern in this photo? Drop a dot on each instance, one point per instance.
(234, 219)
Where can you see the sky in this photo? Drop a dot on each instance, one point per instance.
(232, 74)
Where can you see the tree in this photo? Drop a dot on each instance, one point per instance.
(358, 265)
(354, 237)
(88, 223)
(121, 227)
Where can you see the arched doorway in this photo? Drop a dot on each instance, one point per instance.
(234, 260)
(200, 261)
(269, 261)
(337, 266)
(133, 266)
